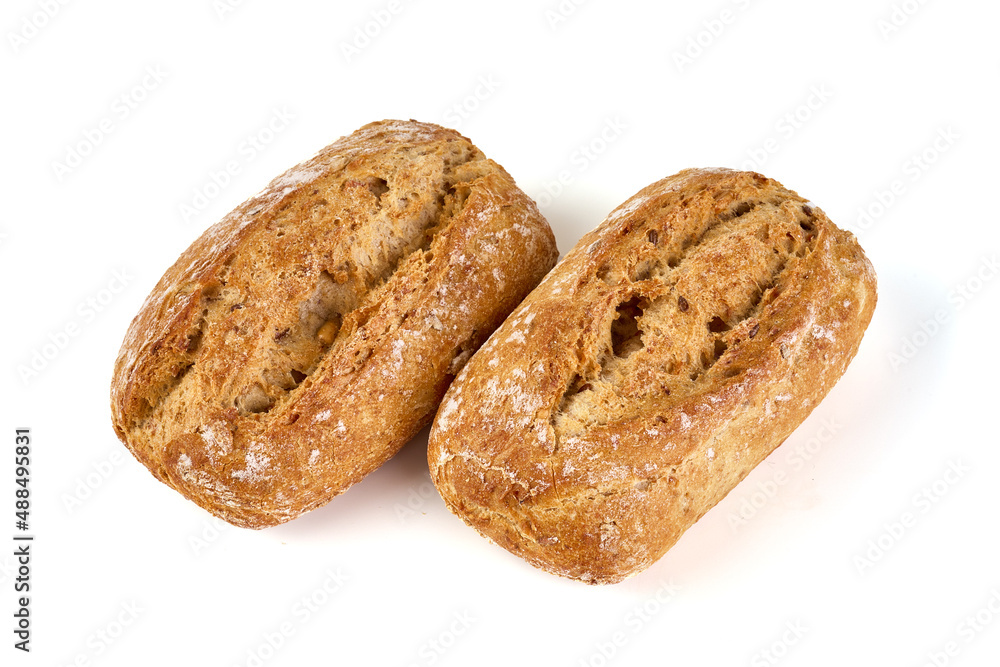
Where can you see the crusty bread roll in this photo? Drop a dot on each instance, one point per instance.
(665, 356)
(301, 341)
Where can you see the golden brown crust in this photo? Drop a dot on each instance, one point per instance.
(301, 341)
(663, 358)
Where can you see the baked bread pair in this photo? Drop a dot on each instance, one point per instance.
(301, 341)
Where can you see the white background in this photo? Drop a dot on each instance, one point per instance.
(859, 542)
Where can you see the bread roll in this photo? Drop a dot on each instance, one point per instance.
(665, 356)
(301, 341)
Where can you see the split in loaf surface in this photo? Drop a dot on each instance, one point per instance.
(301, 341)
(672, 349)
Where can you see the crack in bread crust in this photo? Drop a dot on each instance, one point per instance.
(752, 248)
(671, 350)
(291, 350)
